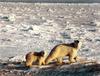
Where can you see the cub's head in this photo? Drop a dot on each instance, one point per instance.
(43, 53)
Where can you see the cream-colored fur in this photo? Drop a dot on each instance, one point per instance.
(62, 50)
(35, 57)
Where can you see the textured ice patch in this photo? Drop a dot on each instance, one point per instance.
(25, 27)
(17, 58)
(12, 17)
(97, 23)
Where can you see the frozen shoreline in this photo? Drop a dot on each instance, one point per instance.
(28, 27)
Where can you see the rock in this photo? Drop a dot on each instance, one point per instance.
(55, 41)
(92, 24)
(65, 35)
(43, 18)
(92, 29)
(6, 39)
(5, 18)
(26, 27)
(97, 39)
(50, 10)
(49, 21)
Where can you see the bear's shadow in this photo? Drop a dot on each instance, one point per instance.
(70, 69)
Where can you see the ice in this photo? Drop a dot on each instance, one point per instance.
(36, 27)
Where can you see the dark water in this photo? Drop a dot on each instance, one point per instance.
(53, 1)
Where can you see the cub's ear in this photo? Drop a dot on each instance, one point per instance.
(42, 53)
(28, 55)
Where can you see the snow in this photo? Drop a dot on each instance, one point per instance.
(28, 27)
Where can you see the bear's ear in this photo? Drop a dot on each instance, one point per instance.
(76, 41)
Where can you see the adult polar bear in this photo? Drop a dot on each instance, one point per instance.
(62, 50)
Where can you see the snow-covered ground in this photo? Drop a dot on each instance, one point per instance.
(26, 27)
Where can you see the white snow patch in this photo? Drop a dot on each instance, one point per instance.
(12, 17)
(97, 22)
(17, 58)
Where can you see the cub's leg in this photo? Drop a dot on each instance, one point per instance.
(30, 60)
(29, 63)
(41, 61)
